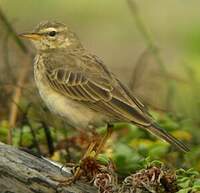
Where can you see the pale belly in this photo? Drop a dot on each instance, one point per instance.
(75, 113)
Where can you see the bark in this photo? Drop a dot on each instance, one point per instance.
(22, 172)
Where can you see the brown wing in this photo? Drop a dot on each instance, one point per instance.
(77, 86)
(98, 89)
(90, 83)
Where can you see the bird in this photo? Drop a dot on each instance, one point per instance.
(76, 84)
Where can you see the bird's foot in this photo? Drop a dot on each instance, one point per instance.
(88, 165)
(78, 170)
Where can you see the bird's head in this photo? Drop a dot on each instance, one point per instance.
(52, 35)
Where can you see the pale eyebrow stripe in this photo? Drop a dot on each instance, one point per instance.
(49, 29)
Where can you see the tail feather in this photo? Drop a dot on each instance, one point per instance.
(158, 131)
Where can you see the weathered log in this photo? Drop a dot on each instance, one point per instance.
(22, 172)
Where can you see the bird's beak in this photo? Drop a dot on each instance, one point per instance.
(32, 36)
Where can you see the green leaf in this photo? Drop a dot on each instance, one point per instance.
(103, 159)
(185, 190)
(184, 184)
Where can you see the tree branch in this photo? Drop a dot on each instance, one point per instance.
(23, 172)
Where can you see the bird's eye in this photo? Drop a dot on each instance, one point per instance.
(52, 33)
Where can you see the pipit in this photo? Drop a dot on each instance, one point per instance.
(76, 84)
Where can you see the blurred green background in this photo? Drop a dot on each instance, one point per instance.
(108, 29)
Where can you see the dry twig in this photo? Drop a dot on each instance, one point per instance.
(21, 77)
(151, 45)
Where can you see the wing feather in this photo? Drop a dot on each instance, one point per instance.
(110, 99)
(77, 86)
(95, 86)
(86, 80)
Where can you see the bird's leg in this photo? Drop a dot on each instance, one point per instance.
(89, 150)
(104, 139)
(77, 171)
(88, 161)
(91, 153)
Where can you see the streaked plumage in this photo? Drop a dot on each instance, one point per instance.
(78, 86)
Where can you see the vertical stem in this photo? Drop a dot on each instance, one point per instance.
(22, 76)
(150, 44)
(146, 35)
